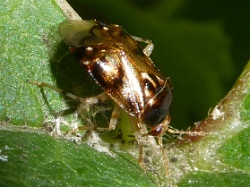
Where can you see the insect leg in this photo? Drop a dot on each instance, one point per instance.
(140, 159)
(150, 46)
(159, 140)
(139, 129)
(140, 140)
(114, 117)
(113, 120)
(85, 103)
(89, 101)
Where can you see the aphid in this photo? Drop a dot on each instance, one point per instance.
(126, 74)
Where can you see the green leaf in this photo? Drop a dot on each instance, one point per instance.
(31, 49)
(196, 179)
(31, 159)
(221, 158)
(235, 151)
(24, 56)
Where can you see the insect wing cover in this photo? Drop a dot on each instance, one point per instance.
(77, 33)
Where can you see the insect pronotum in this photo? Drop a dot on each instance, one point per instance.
(126, 74)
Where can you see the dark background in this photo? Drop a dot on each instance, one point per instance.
(202, 45)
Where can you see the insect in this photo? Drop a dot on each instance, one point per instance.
(123, 69)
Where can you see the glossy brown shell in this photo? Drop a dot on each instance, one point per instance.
(117, 63)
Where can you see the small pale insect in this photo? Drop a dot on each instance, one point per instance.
(123, 69)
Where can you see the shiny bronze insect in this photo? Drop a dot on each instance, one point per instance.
(120, 66)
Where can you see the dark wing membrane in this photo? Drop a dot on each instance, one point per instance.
(77, 33)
